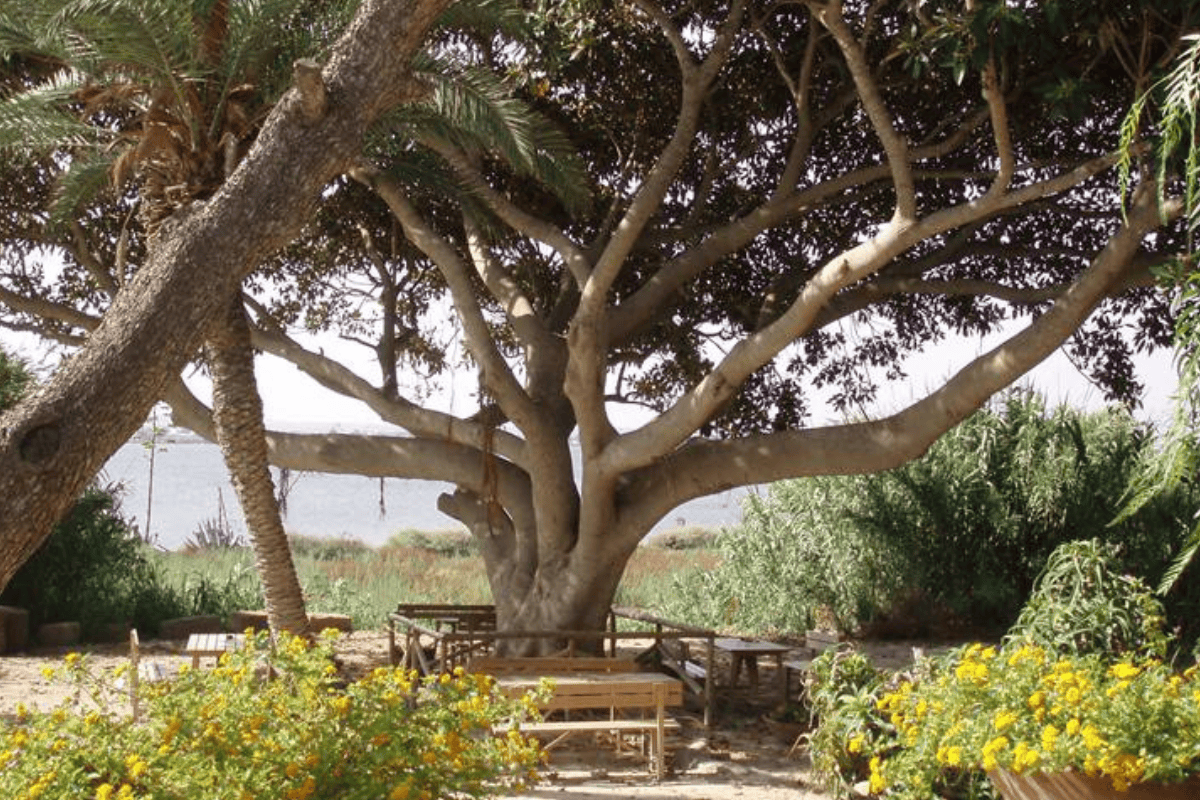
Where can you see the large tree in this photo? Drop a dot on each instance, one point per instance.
(779, 197)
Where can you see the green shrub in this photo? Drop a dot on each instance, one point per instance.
(92, 568)
(340, 548)
(1082, 604)
(444, 543)
(927, 733)
(230, 733)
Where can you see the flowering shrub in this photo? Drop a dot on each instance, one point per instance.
(235, 734)
(843, 688)
(1024, 708)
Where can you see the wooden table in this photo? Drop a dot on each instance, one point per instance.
(744, 651)
(213, 644)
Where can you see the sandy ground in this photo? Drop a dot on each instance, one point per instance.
(744, 755)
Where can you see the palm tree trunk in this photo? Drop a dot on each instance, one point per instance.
(238, 418)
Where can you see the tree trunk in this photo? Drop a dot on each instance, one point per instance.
(238, 418)
(570, 593)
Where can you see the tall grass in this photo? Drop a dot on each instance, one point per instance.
(346, 576)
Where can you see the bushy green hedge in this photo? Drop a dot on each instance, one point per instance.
(95, 569)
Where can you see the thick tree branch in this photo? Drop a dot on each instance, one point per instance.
(702, 468)
(416, 458)
(658, 437)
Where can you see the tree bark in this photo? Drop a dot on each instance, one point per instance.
(54, 442)
(238, 419)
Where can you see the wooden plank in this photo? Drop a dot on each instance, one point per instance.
(212, 644)
(549, 665)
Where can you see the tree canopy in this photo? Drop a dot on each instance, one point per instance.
(709, 210)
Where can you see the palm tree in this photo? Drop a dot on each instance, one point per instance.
(169, 94)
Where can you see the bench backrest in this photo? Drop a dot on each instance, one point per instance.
(549, 665)
(614, 695)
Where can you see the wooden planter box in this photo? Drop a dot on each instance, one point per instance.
(1074, 786)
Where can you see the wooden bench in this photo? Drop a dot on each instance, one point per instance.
(617, 689)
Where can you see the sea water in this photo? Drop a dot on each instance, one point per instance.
(189, 486)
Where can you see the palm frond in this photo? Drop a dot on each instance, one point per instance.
(39, 120)
(263, 38)
(424, 171)
(153, 39)
(488, 17)
(85, 178)
(18, 35)
(474, 110)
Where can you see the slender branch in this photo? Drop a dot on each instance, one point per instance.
(85, 256)
(536, 229)
(528, 326)
(894, 145)
(398, 411)
(998, 109)
(497, 375)
(48, 310)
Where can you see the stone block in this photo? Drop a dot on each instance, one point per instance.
(239, 621)
(59, 634)
(113, 632)
(183, 627)
(15, 624)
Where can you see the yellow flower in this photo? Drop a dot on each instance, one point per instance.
(1049, 737)
(135, 765)
(877, 781)
(1125, 671)
(1091, 738)
(1004, 719)
(855, 745)
(104, 791)
(990, 750)
(400, 792)
(1072, 726)
(1024, 758)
